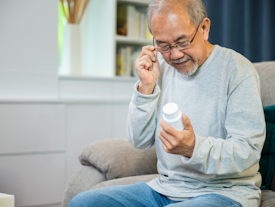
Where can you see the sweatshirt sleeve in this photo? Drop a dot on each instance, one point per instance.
(245, 127)
(141, 120)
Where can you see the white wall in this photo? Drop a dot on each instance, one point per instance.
(45, 120)
(41, 141)
(28, 49)
(98, 42)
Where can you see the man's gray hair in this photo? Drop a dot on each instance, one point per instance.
(195, 9)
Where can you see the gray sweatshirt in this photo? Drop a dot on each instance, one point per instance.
(222, 101)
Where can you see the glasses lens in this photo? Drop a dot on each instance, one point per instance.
(183, 45)
(164, 49)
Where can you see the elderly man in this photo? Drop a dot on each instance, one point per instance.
(214, 161)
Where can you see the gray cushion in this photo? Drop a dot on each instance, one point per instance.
(266, 71)
(117, 158)
(126, 181)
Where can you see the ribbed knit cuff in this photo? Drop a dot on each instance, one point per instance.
(141, 99)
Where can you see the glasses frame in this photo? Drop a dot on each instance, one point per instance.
(176, 45)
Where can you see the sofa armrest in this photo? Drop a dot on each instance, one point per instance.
(82, 180)
(117, 158)
(268, 198)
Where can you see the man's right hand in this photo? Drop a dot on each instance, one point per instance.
(147, 67)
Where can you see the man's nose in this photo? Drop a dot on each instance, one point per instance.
(175, 53)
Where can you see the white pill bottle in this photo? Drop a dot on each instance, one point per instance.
(173, 116)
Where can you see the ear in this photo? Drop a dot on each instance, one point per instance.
(205, 28)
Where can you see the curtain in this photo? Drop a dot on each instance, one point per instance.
(246, 26)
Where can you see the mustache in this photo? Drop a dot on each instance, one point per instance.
(183, 59)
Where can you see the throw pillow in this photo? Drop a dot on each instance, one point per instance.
(267, 161)
(117, 158)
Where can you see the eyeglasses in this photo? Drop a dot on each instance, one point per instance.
(180, 45)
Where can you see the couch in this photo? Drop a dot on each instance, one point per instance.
(117, 162)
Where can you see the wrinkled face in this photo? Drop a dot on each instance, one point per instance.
(170, 29)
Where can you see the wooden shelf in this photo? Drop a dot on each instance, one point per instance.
(132, 40)
(135, 2)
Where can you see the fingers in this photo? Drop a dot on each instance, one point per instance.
(144, 63)
(169, 142)
(147, 59)
(148, 50)
(186, 122)
(165, 143)
(177, 142)
(167, 128)
(156, 56)
(169, 136)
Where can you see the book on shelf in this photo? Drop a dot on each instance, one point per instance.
(132, 22)
(121, 20)
(125, 60)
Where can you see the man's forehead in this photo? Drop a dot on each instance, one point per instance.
(175, 19)
(172, 26)
(175, 15)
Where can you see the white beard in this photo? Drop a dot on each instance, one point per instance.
(191, 72)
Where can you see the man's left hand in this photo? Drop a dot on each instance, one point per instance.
(178, 142)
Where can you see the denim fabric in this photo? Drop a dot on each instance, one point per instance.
(141, 195)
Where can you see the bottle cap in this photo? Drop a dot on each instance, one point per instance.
(171, 111)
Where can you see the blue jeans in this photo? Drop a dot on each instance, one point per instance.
(141, 195)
